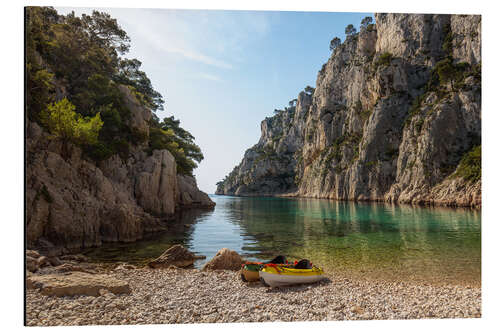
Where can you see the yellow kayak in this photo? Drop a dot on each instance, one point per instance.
(275, 276)
(250, 270)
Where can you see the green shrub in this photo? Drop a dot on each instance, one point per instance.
(180, 143)
(371, 165)
(469, 167)
(137, 136)
(446, 71)
(384, 59)
(98, 151)
(122, 147)
(365, 114)
(62, 121)
(448, 40)
(39, 90)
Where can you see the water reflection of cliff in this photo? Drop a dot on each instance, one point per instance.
(179, 231)
(367, 237)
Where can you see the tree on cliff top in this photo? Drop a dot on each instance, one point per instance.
(366, 22)
(309, 90)
(350, 30)
(334, 43)
(180, 143)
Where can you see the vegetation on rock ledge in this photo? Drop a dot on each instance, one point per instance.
(470, 165)
(79, 59)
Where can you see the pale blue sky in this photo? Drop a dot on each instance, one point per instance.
(222, 72)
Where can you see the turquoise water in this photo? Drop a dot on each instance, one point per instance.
(429, 244)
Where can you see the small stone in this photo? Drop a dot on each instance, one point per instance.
(125, 267)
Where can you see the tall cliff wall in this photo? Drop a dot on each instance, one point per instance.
(73, 202)
(395, 110)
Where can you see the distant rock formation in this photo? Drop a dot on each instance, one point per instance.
(394, 111)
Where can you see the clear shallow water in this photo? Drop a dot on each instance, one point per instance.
(374, 240)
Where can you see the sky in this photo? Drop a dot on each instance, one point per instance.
(222, 72)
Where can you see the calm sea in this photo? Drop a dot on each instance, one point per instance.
(369, 240)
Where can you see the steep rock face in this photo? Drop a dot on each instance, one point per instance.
(380, 125)
(74, 203)
(268, 168)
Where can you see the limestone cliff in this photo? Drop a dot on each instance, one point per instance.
(73, 202)
(395, 110)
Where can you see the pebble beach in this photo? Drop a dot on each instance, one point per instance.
(171, 296)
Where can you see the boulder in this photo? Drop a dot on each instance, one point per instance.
(177, 256)
(32, 254)
(224, 259)
(77, 283)
(43, 261)
(54, 261)
(31, 264)
(189, 195)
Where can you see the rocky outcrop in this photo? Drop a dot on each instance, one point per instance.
(77, 283)
(225, 259)
(35, 261)
(73, 202)
(394, 111)
(176, 255)
(189, 195)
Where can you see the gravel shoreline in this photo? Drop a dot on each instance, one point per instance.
(168, 296)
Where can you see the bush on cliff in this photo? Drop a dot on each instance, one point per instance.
(470, 165)
(63, 122)
(180, 143)
(384, 59)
